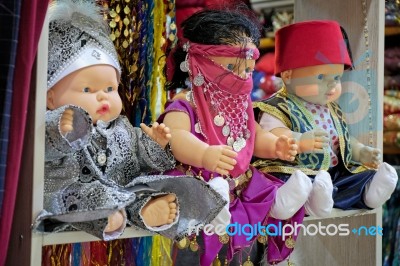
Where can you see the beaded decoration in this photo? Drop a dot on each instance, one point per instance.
(229, 110)
(141, 32)
(368, 70)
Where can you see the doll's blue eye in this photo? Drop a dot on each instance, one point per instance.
(109, 89)
(320, 76)
(337, 78)
(230, 67)
(86, 90)
(248, 70)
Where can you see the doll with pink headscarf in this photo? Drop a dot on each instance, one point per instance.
(214, 135)
(311, 57)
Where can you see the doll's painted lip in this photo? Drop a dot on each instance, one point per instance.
(104, 109)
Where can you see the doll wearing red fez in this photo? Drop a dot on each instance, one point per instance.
(346, 173)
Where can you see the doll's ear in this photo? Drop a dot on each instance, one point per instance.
(286, 76)
(50, 99)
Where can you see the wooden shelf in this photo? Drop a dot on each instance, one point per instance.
(79, 236)
(266, 43)
(392, 30)
(338, 213)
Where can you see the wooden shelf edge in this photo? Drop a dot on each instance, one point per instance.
(338, 213)
(79, 236)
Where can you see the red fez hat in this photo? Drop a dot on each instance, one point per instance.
(310, 43)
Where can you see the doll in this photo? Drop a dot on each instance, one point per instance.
(213, 131)
(305, 109)
(98, 168)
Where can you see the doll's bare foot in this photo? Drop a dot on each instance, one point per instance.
(320, 201)
(160, 211)
(291, 196)
(382, 185)
(115, 221)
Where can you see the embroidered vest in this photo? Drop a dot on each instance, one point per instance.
(291, 111)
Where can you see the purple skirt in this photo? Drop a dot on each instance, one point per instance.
(250, 209)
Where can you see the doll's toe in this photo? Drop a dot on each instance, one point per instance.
(172, 206)
(170, 197)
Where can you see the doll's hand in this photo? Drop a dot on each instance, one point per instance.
(370, 157)
(286, 148)
(66, 122)
(219, 158)
(115, 221)
(313, 141)
(160, 133)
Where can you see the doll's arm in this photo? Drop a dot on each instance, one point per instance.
(148, 155)
(267, 145)
(158, 132)
(188, 149)
(364, 154)
(312, 141)
(67, 130)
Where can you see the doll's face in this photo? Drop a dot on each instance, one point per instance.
(239, 66)
(315, 84)
(94, 88)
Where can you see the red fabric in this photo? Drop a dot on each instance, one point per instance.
(266, 63)
(189, 3)
(185, 8)
(224, 2)
(182, 14)
(32, 17)
(268, 85)
(56, 254)
(309, 43)
(98, 253)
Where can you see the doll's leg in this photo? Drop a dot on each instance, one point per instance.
(222, 187)
(382, 185)
(160, 211)
(291, 196)
(320, 201)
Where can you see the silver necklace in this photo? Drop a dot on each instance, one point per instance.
(229, 110)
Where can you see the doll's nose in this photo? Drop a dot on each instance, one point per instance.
(101, 95)
(331, 84)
